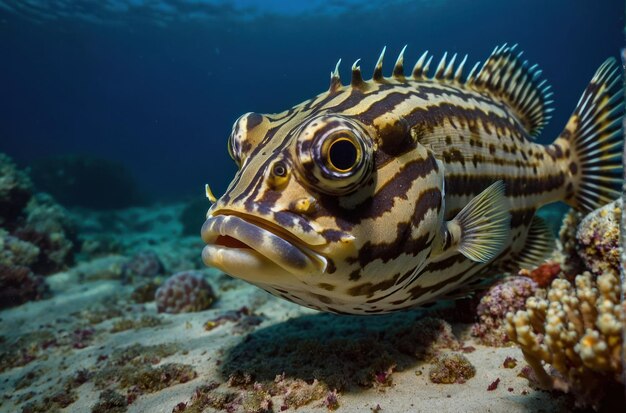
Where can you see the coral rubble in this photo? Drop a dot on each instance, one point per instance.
(184, 292)
(451, 368)
(577, 327)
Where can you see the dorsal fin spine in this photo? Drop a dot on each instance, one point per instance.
(357, 78)
(447, 74)
(378, 69)
(418, 69)
(398, 68)
(335, 79)
(441, 66)
(459, 70)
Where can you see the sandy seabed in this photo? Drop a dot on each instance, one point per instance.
(91, 348)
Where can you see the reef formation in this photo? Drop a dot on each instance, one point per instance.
(575, 327)
(37, 237)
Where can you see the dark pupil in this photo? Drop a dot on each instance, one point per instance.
(342, 154)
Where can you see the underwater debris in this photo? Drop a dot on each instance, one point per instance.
(184, 292)
(494, 384)
(449, 368)
(507, 295)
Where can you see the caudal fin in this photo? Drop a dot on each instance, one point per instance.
(594, 134)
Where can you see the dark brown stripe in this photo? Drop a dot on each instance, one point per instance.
(465, 184)
(381, 202)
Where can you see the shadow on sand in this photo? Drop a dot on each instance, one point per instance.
(343, 352)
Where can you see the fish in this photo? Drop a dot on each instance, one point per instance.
(394, 192)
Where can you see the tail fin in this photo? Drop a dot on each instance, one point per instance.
(594, 134)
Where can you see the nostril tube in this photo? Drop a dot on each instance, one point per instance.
(304, 205)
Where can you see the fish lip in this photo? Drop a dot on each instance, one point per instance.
(263, 242)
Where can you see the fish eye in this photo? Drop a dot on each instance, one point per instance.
(342, 154)
(334, 154)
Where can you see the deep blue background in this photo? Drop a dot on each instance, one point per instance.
(162, 97)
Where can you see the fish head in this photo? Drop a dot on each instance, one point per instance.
(322, 204)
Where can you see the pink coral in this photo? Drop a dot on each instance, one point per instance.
(184, 292)
(509, 295)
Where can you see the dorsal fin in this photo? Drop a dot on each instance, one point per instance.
(513, 81)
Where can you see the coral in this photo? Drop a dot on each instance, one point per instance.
(598, 239)
(510, 294)
(15, 252)
(143, 264)
(48, 226)
(79, 181)
(567, 255)
(18, 285)
(15, 191)
(184, 292)
(451, 368)
(577, 329)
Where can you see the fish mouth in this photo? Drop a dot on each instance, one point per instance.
(251, 248)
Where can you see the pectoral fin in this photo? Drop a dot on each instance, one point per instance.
(480, 230)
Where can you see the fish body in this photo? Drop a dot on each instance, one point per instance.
(393, 192)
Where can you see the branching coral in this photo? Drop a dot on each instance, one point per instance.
(577, 330)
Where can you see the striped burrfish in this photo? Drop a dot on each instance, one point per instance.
(393, 192)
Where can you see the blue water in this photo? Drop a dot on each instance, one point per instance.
(157, 85)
